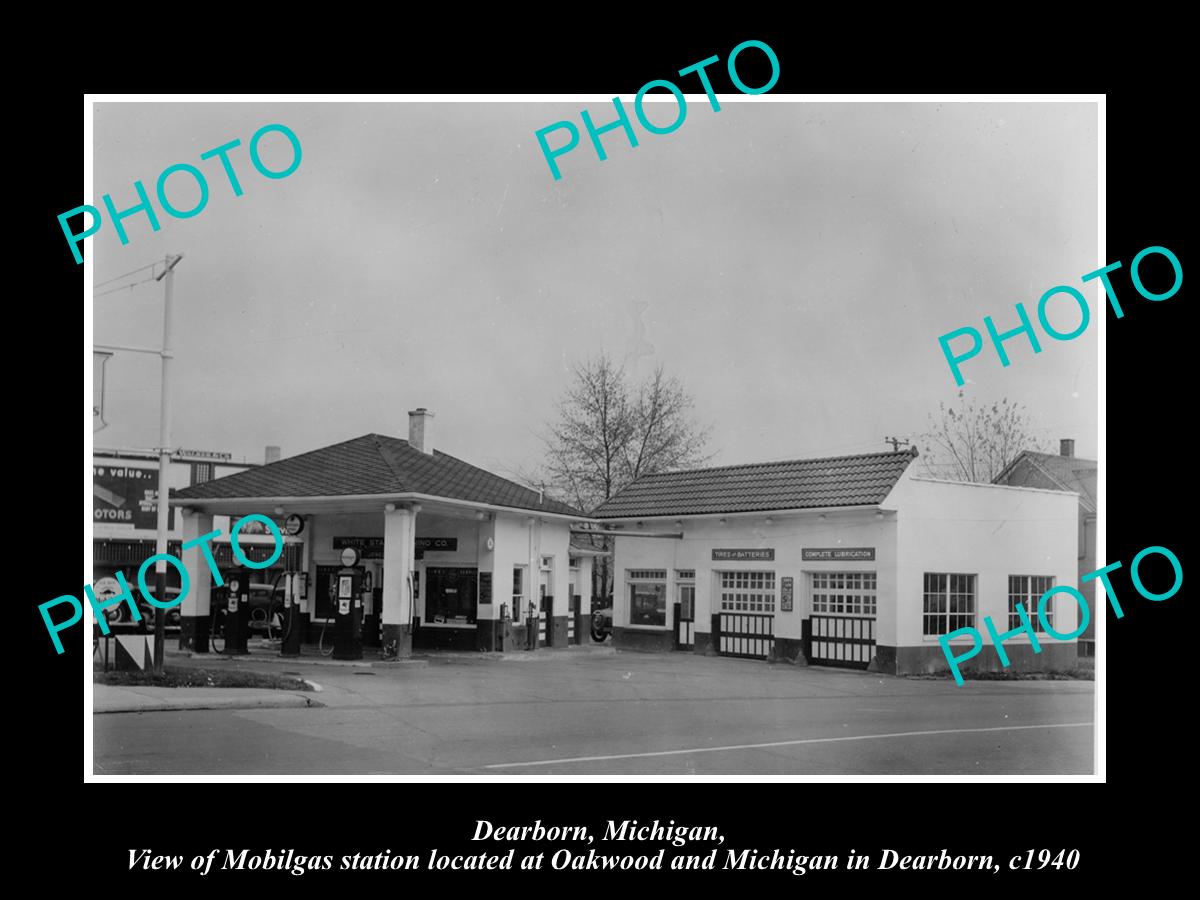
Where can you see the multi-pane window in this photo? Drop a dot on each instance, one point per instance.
(949, 602)
(686, 579)
(647, 597)
(201, 472)
(748, 592)
(647, 575)
(518, 590)
(844, 593)
(687, 602)
(1027, 590)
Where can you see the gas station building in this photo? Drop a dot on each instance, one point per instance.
(439, 553)
(850, 561)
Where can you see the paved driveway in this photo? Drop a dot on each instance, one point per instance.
(621, 714)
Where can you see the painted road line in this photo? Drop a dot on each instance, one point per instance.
(829, 740)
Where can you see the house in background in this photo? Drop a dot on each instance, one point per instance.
(1065, 472)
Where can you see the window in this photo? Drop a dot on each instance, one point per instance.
(646, 575)
(748, 592)
(687, 602)
(518, 590)
(949, 602)
(686, 579)
(1027, 590)
(844, 593)
(647, 597)
(450, 594)
(201, 472)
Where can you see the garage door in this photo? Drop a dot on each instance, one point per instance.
(746, 620)
(842, 629)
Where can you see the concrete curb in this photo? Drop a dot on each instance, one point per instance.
(111, 699)
(555, 653)
(276, 658)
(420, 661)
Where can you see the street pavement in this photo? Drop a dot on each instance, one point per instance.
(586, 713)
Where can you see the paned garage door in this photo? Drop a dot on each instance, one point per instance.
(747, 615)
(843, 619)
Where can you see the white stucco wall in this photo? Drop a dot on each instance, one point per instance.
(991, 531)
(512, 549)
(788, 535)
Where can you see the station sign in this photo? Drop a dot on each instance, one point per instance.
(741, 555)
(837, 553)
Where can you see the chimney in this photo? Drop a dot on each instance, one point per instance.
(420, 430)
(272, 454)
(1066, 447)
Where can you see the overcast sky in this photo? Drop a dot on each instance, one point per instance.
(793, 264)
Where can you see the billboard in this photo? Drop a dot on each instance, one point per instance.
(125, 495)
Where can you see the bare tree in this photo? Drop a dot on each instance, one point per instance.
(586, 451)
(663, 437)
(609, 432)
(974, 442)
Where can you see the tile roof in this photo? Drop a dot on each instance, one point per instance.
(1071, 473)
(792, 484)
(373, 464)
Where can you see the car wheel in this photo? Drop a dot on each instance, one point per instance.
(599, 636)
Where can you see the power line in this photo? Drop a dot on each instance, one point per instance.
(127, 274)
(123, 287)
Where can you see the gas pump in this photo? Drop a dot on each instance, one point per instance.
(237, 613)
(531, 625)
(372, 601)
(504, 633)
(290, 645)
(347, 622)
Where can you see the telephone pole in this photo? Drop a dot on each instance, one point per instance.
(164, 467)
(896, 442)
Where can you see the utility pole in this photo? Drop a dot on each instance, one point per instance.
(164, 467)
(896, 442)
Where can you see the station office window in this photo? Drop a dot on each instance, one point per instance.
(450, 593)
(844, 593)
(1027, 590)
(647, 597)
(949, 602)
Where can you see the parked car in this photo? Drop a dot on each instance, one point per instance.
(119, 614)
(266, 605)
(602, 620)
